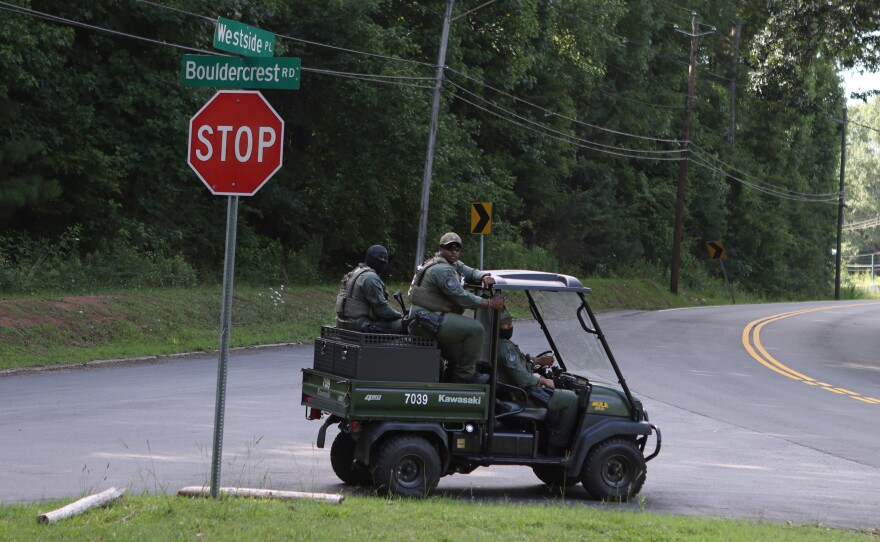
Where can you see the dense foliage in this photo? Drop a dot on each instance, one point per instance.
(565, 114)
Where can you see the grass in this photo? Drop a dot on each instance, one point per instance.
(165, 517)
(46, 330)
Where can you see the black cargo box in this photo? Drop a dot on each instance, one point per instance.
(377, 356)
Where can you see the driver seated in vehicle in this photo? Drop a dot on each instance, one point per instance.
(517, 369)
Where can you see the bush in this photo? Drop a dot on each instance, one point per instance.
(43, 265)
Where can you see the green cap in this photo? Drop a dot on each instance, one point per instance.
(450, 237)
(505, 316)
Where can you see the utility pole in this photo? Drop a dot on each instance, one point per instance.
(731, 88)
(432, 136)
(685, 152)
(840, 207)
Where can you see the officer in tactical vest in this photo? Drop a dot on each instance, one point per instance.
(517, 368)
(362, 302)
(437, 288)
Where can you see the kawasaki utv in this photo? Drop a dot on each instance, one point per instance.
(401, 427)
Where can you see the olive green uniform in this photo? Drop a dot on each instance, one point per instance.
(517, 369)
(437, 287)
(363, 306)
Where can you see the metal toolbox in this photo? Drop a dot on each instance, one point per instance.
(374, 356)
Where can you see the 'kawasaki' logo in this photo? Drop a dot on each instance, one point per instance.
(373, 397)
(461, 400)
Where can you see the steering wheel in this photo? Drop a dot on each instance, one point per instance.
(544, 353)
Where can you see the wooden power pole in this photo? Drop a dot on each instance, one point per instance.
(685, 152)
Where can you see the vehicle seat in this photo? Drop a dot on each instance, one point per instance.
(512, 404)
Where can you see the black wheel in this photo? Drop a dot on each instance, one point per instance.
(406, 465)
(554, 476)
(343, 463)
(614, 471)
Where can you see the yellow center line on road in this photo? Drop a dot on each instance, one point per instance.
(751, 339)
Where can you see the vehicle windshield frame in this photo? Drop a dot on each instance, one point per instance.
(586, 352)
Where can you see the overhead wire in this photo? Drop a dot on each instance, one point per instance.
(54, 18)
(700, 158)
(554, 131)
(564, 139)
(378, 78)
(766, 188)
(544, 110)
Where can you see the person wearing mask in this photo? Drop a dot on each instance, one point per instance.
(362, 301)
(437, 289)
(517, 369)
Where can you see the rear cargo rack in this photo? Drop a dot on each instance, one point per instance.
(376, 339)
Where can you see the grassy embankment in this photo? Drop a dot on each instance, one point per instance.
(166, 517)
(47, 330)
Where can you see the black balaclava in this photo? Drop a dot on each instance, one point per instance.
(505, 317)
(377, 258)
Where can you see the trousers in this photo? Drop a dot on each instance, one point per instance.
(467, 332)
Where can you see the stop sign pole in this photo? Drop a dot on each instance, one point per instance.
(234, 146)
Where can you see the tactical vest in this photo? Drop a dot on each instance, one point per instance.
(347, 307)
(422, 297)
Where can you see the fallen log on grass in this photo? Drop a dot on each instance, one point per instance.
(204, 491)
(80, 506)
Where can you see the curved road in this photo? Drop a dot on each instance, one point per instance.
(768, 412)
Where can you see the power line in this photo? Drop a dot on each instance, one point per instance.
(377, 78)
(549, 129)
(549, 112)
(564, 138)
(706, 156)
(766, 188)
(300, 40)
(54, 18)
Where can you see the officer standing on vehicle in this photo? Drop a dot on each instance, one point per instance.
(362, 302)
(437, 288)
(517, 369)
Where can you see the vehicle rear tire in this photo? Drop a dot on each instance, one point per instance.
(614, 471)
(343, 463)
(554, 476)
(406, 465)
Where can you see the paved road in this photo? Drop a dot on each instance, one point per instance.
(745, 435)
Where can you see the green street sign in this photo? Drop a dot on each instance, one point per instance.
(240, 72)
(242, 39)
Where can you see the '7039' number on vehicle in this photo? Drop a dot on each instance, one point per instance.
(415, 398)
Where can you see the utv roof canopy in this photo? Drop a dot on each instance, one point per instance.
(521, 279)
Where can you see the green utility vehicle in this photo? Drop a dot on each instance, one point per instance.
(401, 427)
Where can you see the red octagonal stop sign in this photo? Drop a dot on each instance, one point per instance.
(235, 142)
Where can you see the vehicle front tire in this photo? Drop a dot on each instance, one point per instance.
(343, 463)
(615, 470)
(406, 465)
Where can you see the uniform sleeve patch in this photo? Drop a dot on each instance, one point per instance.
(512, 359)
(452, 284)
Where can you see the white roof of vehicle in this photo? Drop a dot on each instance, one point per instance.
(523, 279)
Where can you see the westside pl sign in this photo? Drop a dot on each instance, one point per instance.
(235, 143)
(243, 39)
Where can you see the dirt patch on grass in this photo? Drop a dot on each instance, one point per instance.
(21, 314)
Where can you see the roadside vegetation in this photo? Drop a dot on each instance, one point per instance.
(164, 517)
(52, 328)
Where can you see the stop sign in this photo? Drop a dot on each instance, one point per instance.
(235, 142)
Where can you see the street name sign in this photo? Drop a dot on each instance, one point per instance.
(235, 142)
(279, 72)
(242, 39)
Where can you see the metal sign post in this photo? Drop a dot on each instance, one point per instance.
(225, 328)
